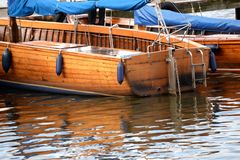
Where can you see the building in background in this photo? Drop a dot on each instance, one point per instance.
(3, 3)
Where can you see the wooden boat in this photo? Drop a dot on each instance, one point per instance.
(223, 39)
(90, 63)
(96, 60)
(222, 35)
(225, 47)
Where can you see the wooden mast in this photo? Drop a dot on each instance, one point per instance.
(14, 33)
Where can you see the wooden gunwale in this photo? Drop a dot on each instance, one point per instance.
(39, 48)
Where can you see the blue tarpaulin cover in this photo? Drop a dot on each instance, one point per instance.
(21, 8)
(122, 5)
(147, 16)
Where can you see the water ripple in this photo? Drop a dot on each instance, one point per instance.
(200, 125)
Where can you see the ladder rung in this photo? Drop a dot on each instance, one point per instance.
(201, 64)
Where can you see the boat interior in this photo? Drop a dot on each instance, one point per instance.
(89, 38)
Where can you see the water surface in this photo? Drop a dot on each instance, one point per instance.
(200, 125)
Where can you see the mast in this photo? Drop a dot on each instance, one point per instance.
(13, 32)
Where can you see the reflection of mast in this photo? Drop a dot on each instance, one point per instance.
(175, 105)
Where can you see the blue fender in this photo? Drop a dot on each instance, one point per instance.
(6, 60)
(120, 72)
(59, 64)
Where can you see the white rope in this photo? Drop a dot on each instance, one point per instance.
(160, 17)
(111, 36)
(200, 9)
(177, 78)
(164, 27)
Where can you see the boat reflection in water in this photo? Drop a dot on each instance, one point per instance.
(203, 124)
(38, 125)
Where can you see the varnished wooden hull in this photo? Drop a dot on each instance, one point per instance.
(228, 52)
(145, 74)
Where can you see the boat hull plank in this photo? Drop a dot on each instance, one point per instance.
(228, 52)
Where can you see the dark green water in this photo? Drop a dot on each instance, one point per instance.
(201, 125)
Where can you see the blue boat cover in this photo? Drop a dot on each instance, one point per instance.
(122, 5)
(147, 16)
(21, 8)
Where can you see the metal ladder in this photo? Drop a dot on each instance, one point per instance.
(201, 64)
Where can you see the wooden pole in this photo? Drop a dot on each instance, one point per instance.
(14, 33)
(237, 12)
